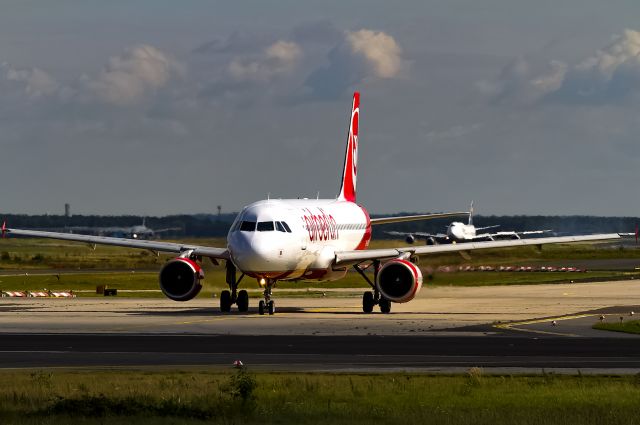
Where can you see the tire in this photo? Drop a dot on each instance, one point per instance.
(225, 301)
(367, 302)
(243, 301)
(261, 308)
(272, 308)
(385, 306)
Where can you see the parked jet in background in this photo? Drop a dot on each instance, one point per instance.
(302, 239)
(140, 231)
(458, 232)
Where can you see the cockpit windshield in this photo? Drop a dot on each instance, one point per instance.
(261, 226)
(265, 226)
(248, 226)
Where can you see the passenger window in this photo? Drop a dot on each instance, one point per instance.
(279, 227)
(248, 226)
(265, 226)
(286, 227)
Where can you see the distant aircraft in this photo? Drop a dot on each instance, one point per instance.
(458, 232)
(140, 231)
(635, 234)
(302, 239)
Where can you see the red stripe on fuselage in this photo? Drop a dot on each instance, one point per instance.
(366, 238)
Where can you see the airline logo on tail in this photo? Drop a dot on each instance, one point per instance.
(348, 190)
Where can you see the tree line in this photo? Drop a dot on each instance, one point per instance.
(211, 225)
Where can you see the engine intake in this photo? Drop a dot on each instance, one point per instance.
(399, 280)
(180, 279)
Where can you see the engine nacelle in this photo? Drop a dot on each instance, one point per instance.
(399, 280)
(410, 239)
(180, 279)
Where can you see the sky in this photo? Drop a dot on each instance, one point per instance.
(157, 107)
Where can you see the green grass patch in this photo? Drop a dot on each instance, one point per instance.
(630, 327)
(221, 397)
(27, 253)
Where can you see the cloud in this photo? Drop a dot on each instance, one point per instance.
(611, 74)
(277, 59)
(127, 78)
(522, 82)
(32, 82)
(378, 49)
(358, 56)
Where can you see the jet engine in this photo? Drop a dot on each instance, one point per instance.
(180, 279)
(399, 280)
(410, 239)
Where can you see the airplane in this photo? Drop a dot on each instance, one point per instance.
(303, 239)
(139, 231)
(634, 234)
(458, 232)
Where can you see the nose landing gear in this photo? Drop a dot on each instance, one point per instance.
(267, 304)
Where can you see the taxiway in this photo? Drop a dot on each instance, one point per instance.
(446, 327)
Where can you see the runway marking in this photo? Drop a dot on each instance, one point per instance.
(325, 309)
(514, 325)
(213, 319)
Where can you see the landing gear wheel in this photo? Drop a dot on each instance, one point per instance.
(272, 307)
(385, 306)
(368, 302)
(225, 301)
(261, 306)
(243, 301)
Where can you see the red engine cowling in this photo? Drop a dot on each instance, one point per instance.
(399, 280)
(180, 279)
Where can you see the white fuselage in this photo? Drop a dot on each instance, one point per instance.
(296, 239)
(460, 232)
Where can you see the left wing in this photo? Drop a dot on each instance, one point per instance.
(343, 257)
(403, 218)
(204, 251)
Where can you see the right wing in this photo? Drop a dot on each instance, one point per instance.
(155, 246)
(403, 218)
(356, 256)
(421, 234)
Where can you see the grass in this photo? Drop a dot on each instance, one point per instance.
(26, 254)
(220, 397)
(137, 270)
(630, 327)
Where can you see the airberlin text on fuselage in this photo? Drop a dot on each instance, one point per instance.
(321, 226)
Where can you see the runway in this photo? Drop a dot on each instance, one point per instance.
(446, 329)
(319, 353)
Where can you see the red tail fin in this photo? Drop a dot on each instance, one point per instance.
(4, 228)
(350, 172)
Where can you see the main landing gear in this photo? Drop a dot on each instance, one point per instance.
(233, 296)
(267, 304)
(371, 299)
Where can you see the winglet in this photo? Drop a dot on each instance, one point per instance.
(471, 214)
(4, 229)
(350, 171)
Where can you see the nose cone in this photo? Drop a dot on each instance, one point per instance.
(256, 252)
(456, 232)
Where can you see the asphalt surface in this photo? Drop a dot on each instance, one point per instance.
(504, 350)
(515, 329)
